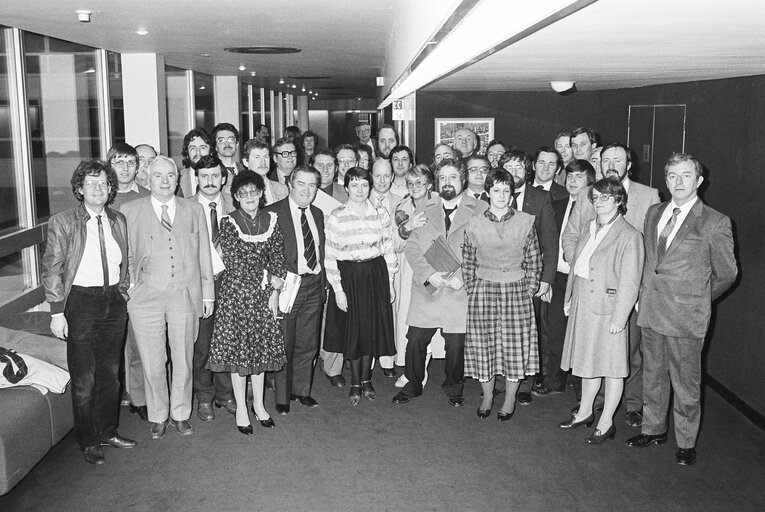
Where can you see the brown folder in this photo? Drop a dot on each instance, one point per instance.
(440, 256)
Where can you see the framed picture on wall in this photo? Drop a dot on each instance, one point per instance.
(447, 127)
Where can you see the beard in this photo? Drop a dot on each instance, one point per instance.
(448, 192)
(613, 173)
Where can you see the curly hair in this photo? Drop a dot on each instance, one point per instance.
(93, 168)
(196, 132)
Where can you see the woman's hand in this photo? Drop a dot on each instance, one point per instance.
(342, 301)
(415, 221)
(614, 329)
(273, 303)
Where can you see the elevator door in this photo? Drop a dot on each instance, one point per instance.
(654, 132)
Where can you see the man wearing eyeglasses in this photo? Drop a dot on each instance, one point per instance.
(196, 144)
(285, 158)
(364, 134)
(226, 139)
(85, 276)
(478, 169)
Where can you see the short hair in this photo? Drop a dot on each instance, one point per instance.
(441, 144)
(499, 176)
(323, 152)
(254, 144)
(476, 138)
(678, 158)
(121, 149)
(93, 168)
(363, 148)
(196, 132)
(390, 127)
(496, 142)
(477, 157)
(563, 134)
(614, 187)
(260, 127)
(549, 149)
(398, 149)
(518, 155)
(583, 129)
(248, 177)
(210, 161)
(582, 166)
(357, 173)
(309, 134)
(623, 147)
(228, 127)
(310, 169)
(282, 142)
(457, 164)
(341, 147)
(420, 170)
(292, 132)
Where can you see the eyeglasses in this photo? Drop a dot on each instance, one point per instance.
(221, 140)
(602, 198)
(124, 164)
(142, 160)
(93, 185)
(417, 184)
(476, 170)
(249, 192)
(325, 167)
(288, 154)
(346, 161)
(515, 169)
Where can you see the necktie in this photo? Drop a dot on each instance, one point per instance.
(447, 219)
(540, 187)
(102, 243)
(166, 219)
(309, 247)
(213, 223)
(380, 200)
(514, 204)
(666, 232)
(477, 195)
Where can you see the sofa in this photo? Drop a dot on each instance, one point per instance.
(31, 423)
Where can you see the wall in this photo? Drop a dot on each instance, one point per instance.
(725, 129)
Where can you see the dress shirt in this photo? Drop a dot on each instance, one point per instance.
(282, 177)
(157, 205)
(218, 209)
(399, 190)
(296, 222)
(521, 195)
(563, 265)
(90, 272)
(582, 265)
(454, 204)
(545, 186)
(133, 188)
(382, 199)
(680, 218)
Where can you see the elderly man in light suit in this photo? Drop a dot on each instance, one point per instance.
(616, 161)
(689, 263)
(439, 301)
(171, 288)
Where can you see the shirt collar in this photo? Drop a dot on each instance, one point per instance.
(685, 208)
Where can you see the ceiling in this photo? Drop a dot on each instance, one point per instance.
(608, 44)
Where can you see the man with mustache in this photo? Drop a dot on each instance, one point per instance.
(196, 144)
(225, 136)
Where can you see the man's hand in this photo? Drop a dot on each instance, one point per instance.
(59, 326)
(342, 301)
(545, 291)
(208, 307)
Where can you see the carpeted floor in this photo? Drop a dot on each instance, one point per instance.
(420, 456)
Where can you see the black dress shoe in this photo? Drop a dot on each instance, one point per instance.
(401, 398)
(245, 430)
(685, 456)
(598, 438)
(229, 405)
(337, 381)
(94, 455)
(483, 413)
(305, 400)
(643, 440)
(140, 410)
(543, 390)
(269, 423)
(456, 400)
(283, 409)
(524, 398)
(118, 441)
(572, 423)
(389, 372)
(504, 416)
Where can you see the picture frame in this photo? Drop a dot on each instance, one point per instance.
(446, 127)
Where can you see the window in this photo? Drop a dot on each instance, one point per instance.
(114, 67)
(9, 202)
(204, 101)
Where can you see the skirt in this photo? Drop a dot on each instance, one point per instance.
(501, 334)
(369, 320)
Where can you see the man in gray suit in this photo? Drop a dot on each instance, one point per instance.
(689, 263)
(171, 288)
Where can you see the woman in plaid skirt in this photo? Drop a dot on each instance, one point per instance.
(501, 267)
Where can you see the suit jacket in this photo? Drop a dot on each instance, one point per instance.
(539, 204)
(284, 218)
(190, 230)
(559, 211)
(639, 199)
(698, 266)
(615, 269)
(185, 188)
(444, 308)
(558, 192)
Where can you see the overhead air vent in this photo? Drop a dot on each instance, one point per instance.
(263, 50)
(309, 77)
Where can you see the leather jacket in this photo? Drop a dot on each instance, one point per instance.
(64, 248)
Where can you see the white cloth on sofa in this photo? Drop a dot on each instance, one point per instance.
(41, 375)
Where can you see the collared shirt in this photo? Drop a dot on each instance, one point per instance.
(399, 190)
(582, 265)
(455, 203)
(90, 273)
(664, 219)
(490, 215)
(383, 200)
(218, 209)
(563, 265)
(157, 205)
(283, 178)
(545, 186)
(302, 264)
(521, 195)
(133, 188)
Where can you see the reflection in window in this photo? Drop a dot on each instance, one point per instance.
(204, 101)
(9, 210)
(177, 110)
(114, 67)
(14, 272)
(61, 84)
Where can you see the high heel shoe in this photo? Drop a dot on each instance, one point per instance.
(504, 416)
(598, 438)
(245, 430)
(354, 396)
(483, 413)
(269, 423)
(367, 390)
(572, 423)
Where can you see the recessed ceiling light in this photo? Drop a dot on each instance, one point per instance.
(141, 31)
(294, 86)
(281, 80)
(205, 55)
(252, 73)
(304, 88)
(83, 16)
(310, 92)
(202, 87)
(241, 67)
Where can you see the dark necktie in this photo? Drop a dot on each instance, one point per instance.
(447, 218)
(102, 243)
(477, 195)
(514, 204)
(309, 247)
(666, 232)
(166, 219)
(540, 187)
(213, 222)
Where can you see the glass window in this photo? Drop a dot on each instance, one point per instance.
(244, 124)
(9, 208)
(204, 101)
(61, 84)
(15, 274)
(178, 102)
(114, 66)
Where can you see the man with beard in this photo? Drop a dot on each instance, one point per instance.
(401, 160)
(387, 139)
(211, 387)
(616, 162)
(196, 144)
(547, 163)
(439, 300)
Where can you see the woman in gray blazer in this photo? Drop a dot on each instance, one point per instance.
(601, 291)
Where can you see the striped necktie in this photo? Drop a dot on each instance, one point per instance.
(166, 219)
(309, 247)
(666, 232)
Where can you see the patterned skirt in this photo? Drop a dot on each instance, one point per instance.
(501, 331)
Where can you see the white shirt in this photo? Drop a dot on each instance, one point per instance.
(383, 200)
(90, 273)
(218, 209)
(582, 265)
(563, 265)
(157, 205)
(399, 190)
(302, 264)
(664, 219)
(545, 186)
(133, 188)
(519, 200)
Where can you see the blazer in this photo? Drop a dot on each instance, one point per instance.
(184, 183)
(615, 269)
(284, 218)
(192, 240)
(64, 247)
(559, 211)
(698, 266)
(428, 307)
(558, 192)
(539, 204)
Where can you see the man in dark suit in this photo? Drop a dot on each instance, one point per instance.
(364, 135)
(285, 155)
(478, 167)
(547, 163)
(689, 263)
(303, 228)
(539, 204)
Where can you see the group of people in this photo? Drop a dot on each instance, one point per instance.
(537, 270)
